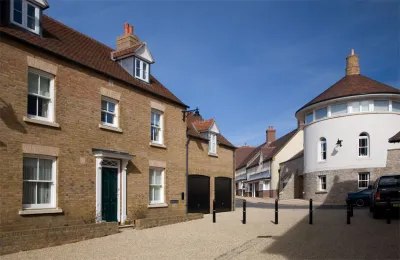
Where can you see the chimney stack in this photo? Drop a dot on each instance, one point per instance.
(270, 135)
(128, 39)
(352, 65)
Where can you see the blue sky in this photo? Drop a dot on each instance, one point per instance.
(249, 64)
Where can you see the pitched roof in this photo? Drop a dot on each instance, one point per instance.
(241, 153)
(296, 156)
(74, 46)
(352, 85)
(127, 51)
(191, 131)
(395, 138)
(268, 150)
(203, 125)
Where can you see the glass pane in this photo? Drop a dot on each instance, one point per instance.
(31, 11)
(103, 116)
(104, 105)
(309, 117)
(29, 193)
(158, 179)
(151, 191)
(395, 106)
(137, 72)
(45, 169)
(32, 105)
(44, 87)
(144, 71)
(157, 193)
(43, 107)
(355, 107)
(30, 169)
(43, 192)
(30, 22)
(321, 113)
(363, 151)
(111, 107)
(381, 105)
(17, 17)
(338, 109)
(18, 5)
(137, 63)
(153, 118)
(110, 119)
(33, 82)
(364, 106)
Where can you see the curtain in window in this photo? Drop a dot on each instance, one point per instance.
(37, 177)
(156, 184)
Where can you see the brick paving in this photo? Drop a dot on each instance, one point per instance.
(293, 238)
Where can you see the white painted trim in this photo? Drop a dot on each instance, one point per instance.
(124, 164)
(25, 14)
(113, 155)
(98, 189)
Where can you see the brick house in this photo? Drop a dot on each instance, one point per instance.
(258, 174)
(210, 166)
(87, 133)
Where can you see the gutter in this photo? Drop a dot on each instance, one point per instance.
(233, 181)
(187, 173)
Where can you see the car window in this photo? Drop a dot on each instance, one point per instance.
(389, 181)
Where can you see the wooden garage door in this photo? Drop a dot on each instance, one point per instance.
(199, 194)
(223, 194)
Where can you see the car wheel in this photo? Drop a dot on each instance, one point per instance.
(375, 213)
(360, 202)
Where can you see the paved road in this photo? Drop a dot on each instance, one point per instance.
(293, 238)
(271, 205)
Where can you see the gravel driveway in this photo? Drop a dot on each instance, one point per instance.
(260, 238)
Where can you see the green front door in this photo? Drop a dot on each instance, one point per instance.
(109, 197)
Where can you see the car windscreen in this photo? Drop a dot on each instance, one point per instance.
(390, 181)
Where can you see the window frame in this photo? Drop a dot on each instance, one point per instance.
(312, 117)
(116, 111)
(322, 141)
(367, 180)
(53, 187)
(320, 109)
(162, 186)
(24, 13)
(392, 106)
(140, 76)
(364, 135)
(51, 105)
(160, 128)
(212, 143)
(321, 182)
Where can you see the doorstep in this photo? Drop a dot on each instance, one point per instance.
(125, 226)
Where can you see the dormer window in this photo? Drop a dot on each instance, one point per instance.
(212, 145)
(141, 70)
(26, 15)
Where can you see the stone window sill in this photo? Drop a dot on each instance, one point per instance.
(321, 192)
(158, 145)
(110, 128)
(40, 122)
(39, 211)
(160, 205)
(213, 155)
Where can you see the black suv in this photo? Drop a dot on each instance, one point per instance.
(386, 188)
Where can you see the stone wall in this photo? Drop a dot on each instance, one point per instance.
(289, 174)
(15, 241)
(341, 182)
(167, 220)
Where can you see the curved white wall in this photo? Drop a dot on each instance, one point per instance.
(379, 126)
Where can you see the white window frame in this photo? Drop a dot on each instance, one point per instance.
(25, 16)
(115, 113)
(392, 105)
(321, 182)
(50, 108)
(378, 100)
(212, 143)
(360, 180)
(142, 73)
(53, 189)
(315, 116)
(322, 141)
(312, 117)
(366, 136)
(162, 186)
(160, 128)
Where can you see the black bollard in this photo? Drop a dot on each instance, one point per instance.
(311, 212)
(244, 212)
(388, 220)
(276, 211)
(348, 211)
(214, 215)
(351, 209)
